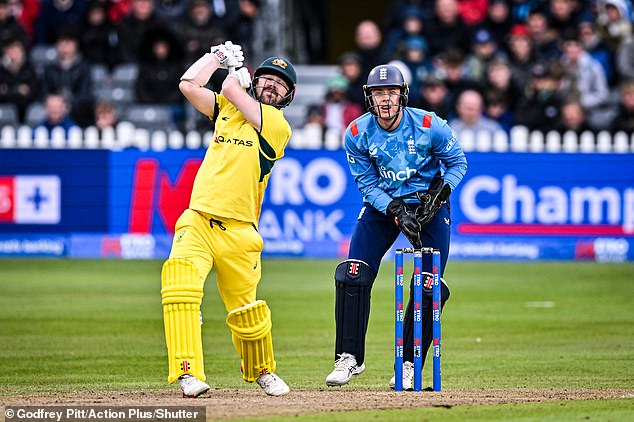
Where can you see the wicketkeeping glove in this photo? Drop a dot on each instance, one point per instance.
(405, 220)
(432, 200)
(242, 75)
(229, 55)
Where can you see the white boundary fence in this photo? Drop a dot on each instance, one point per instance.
(126, 135)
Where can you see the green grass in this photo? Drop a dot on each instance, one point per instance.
(69, 325)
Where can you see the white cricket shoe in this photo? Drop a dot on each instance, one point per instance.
(408, 376)
(345, 368)
(272, 384)
(192, 386)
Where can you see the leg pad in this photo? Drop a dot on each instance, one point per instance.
(182, 293)
(251, 328)
(353, 285)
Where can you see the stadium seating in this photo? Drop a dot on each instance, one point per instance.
(8, 114)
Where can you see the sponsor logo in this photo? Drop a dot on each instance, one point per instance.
(429, 281)
(450, 144)
(185, 366)
(235, 141)
(30, 199)
(353, 268)
(505, 206)
(400, 175)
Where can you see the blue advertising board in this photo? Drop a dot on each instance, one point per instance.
(124, 204)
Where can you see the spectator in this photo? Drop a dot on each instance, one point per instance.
(433, 96)
(106, 115)
(160, 67)
(625, 60)
(313, 20)
(573, 118)
(497, 109)
(414, 56)
(18, 80)
(118, 9)
(451, 67)
(368, 39)
(446, 30)
(227, 12)
(484, 49)
(199, 30)
(54, 16)
(57, 114)
(170, 10)
(142, 18)
(585, 76)
(544, 38)
(351, 67)
(338, 111)
(10, 28)
(624, 120)
(472, 12)
(392, 18)
(470, 111)
(614, 18)
(69, 76)
(563, 15)
(99, 43)
(540, 105)
(314, 132)
(242, 32)
(499, 77)
(411, 25)
(521, 54)
(498, 20)
(26, 12)
(594, 45)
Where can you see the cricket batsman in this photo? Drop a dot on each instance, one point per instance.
(220, 227)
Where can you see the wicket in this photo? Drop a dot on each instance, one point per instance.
(418, 320)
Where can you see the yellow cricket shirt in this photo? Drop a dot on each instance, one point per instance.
(235, 171)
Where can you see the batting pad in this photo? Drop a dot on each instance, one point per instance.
(251, 328)
(182, 295)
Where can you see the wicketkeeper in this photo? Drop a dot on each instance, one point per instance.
(220, 227)
(405, 162)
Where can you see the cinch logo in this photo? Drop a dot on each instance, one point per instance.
(400, 175)
(30, 199)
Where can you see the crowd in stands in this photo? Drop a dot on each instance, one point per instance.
(92, 40)
(562, 65)
(548, 65)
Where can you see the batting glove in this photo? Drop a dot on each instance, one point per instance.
(242, 75)
(229, 55)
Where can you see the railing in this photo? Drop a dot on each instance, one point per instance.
(126, 135)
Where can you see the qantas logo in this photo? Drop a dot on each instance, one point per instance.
(234, 141)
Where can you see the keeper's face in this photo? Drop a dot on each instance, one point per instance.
(270, 89)
(386, 101)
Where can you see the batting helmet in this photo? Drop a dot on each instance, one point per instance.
(282, 68)
(385, 75)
